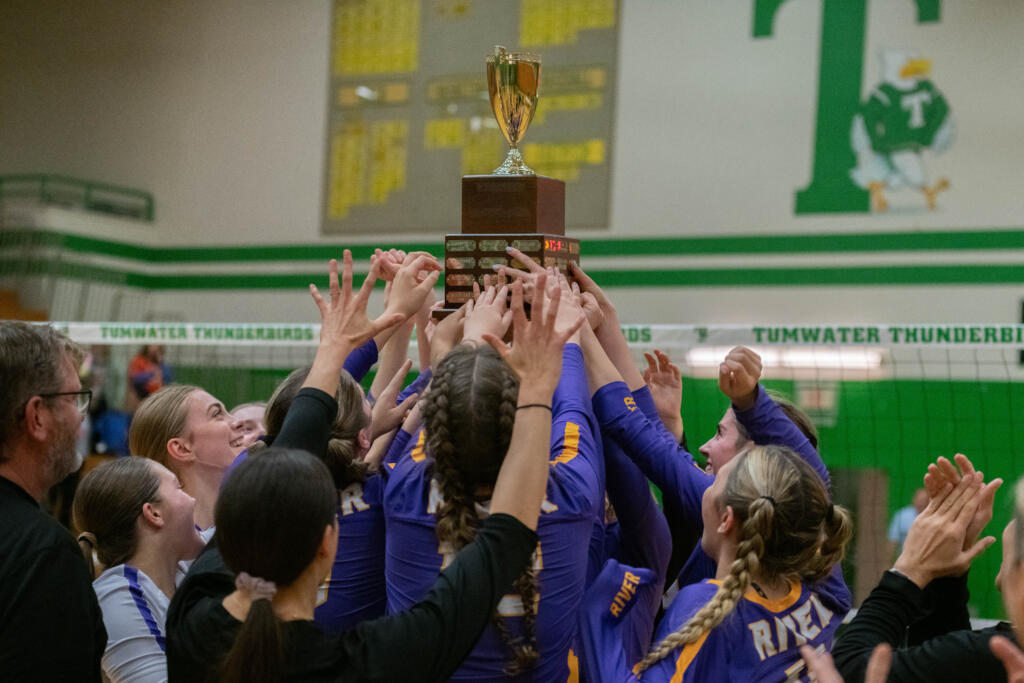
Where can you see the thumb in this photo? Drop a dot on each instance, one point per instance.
(496, 344)
(979, 547)
(408, 403)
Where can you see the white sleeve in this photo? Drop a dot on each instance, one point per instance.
(135, 639)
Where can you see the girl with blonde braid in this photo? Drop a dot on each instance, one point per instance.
(770, 526)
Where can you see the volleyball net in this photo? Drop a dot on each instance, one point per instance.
(886, 399)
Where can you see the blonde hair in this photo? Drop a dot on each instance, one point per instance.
(789, 529)
(160, 418)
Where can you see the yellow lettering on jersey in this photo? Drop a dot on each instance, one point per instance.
(802, 615)
(626, 592)
(762, 633)
(352, 500)
(570, 444)
(630, 403)
(574, 668)
(418, 452)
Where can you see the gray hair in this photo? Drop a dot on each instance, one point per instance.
(30, 364)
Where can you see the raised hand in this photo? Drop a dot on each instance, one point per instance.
(386, 415)
(738, 376)
(412, 283)
(488, 314)
(663, 379)
(536, 352)
(447, 334)
(588, 286)
(935, 544)
(942, 472)
(343, 321)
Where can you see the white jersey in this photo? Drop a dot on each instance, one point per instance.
(134, 612)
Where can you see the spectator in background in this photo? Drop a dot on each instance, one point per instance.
(147, 372)
(901, 521)
(51, 628)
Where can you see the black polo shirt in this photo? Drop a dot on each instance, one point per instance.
(51, 627)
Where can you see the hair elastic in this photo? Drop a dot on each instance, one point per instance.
(830, 513)
(88, 537)
(769, 499)
(257, 588)
(533, 405)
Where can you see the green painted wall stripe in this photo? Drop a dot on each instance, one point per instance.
(967, 240)
(683, 277)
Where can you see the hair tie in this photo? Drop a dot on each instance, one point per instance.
(830, 513)
(769, 499)
(87, 537)
(257, 588)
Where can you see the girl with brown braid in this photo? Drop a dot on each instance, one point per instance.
(770, 525)
(438, 496)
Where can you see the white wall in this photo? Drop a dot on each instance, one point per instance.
(218, 109)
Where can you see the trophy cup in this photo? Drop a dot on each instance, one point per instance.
(513, 206)
(513, 84)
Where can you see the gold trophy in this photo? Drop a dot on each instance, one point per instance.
(513, 83)
(513, 207)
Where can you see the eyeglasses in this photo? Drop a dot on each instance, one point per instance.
(82, 398)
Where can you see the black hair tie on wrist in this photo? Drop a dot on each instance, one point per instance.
(534, 405)
(770, 499)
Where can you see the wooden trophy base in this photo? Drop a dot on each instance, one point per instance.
(525, 212)
(512, 204)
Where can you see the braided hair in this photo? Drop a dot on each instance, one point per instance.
(469, 411)
(789, 529)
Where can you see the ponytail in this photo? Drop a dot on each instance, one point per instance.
(87, 544)
(107, 506)
(789, 530)
(274, 542)
(257, 655)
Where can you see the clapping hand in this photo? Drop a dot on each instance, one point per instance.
(942, 472)
(937, 543)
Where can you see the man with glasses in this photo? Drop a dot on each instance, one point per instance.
(51, 627)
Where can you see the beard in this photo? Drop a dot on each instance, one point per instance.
(62, 458)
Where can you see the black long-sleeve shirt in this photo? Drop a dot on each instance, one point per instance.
(940, 644)
(425, 643)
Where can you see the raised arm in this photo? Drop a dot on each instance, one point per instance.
(664, 462)
(763, 418)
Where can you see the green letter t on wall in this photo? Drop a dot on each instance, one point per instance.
(841, 68)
